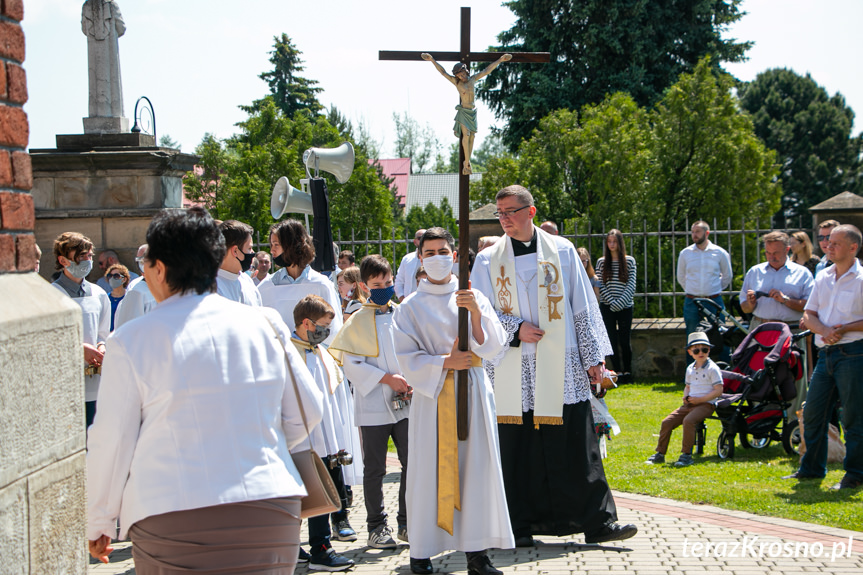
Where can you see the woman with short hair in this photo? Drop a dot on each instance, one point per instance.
(189, 450)
(118, 279)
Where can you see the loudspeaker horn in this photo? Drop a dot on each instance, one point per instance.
(337, 161)
(288, 199)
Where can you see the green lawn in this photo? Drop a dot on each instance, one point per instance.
(751, 482)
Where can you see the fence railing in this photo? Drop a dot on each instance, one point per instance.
(654, 245)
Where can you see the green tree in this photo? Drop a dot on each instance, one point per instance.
(166, 141)
(291, 92)
(204, 184)
(414, 142)
(432, 215)
(599, 47)
(810, 130)
(708, 162)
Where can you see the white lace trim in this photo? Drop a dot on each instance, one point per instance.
(576, 386)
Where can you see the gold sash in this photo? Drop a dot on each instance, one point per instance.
(448, 484)
(550, 351)
(334, 374)
(359, 335)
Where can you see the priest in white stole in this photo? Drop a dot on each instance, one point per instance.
(552, 469)
(466, 509)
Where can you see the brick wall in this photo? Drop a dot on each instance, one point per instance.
(17, 243)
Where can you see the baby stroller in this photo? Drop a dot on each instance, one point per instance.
(758, 391)
(713, 323)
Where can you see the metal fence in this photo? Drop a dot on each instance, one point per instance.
(654, 245)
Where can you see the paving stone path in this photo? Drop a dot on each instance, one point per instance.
(674, 537)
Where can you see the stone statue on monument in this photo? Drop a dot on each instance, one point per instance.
(102, 23)
(465, 117)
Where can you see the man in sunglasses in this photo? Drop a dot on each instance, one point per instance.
(703, 387)
(823, 237)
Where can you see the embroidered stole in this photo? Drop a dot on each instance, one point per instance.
(334, 374)
(550, 351)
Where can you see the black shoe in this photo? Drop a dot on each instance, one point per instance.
(329, 560)
(478, 563)
(525, 541)
(304, 556)
(798, 475)
(611, 532)
(847, 482)
(421, 566)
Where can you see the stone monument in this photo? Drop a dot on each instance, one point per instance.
(102, 23)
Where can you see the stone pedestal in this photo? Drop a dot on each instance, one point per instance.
(42, 466)
(106, 125)
(107, 187)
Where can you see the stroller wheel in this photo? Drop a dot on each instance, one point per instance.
(791, 437)
(749, 441)
(725, 445)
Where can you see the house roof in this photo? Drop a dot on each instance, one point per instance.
(846, 201)
(424, 189)
(399, 170)
(485, 213)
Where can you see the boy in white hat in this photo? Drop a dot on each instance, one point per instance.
(703, 387)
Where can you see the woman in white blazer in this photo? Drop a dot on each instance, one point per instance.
(197, 411)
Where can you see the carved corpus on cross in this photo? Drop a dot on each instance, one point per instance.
(466, 56)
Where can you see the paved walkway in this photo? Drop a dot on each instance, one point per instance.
(672, 538)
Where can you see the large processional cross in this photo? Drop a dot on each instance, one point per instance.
(465, 56)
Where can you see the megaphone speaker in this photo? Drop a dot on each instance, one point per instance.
(337, 161)
(287, 199)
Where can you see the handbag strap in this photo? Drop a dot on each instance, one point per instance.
(291, 372)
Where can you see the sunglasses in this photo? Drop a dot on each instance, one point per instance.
(699, 349)
(115, 276)
(823, 238)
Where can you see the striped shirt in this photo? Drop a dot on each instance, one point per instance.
(614, 293)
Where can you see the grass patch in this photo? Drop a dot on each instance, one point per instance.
(751, 482)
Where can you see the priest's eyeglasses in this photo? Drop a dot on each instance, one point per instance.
(508, 214)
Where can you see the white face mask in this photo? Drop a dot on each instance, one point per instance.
(438, 268)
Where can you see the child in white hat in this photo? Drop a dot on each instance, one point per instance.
(703, 387)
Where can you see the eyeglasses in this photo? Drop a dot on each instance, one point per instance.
(700, 349)
(115, 276)
(823, 238)
(508, 214)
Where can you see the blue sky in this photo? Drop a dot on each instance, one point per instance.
(198, 60)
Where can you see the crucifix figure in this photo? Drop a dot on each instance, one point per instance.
(465, 118)
(465, 56)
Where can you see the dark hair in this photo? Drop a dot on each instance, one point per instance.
(459, 67)
(347, 254)
(190, 245)
(312, 307)
(296, 243)
(622, 267)
(70, 244)
(374, 265)
(235, 233)
(523, 196)
(437, 234)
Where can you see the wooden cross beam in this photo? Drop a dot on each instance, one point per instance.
(466, 56)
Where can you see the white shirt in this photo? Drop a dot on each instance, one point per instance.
(238, 287)
(257, 280)
(96, 310)
(373, 399)
(281, 292)
(703, 272)
(198, 409)
(406, 277)
(137, 301)
(838, 301)
(792, 279)
(702, 379)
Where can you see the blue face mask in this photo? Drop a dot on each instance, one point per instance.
(381, 296)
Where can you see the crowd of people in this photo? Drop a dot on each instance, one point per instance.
(215, 362)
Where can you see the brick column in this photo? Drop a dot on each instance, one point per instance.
(17, 243)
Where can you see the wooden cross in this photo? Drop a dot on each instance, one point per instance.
(466, 56)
